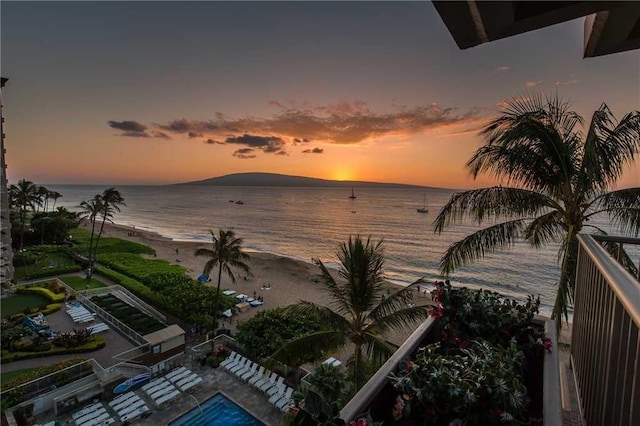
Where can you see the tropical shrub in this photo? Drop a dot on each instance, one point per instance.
(81, 238)
(50, 272)
(40, 372)
(54, 297)
(72, 339)
(266, 332)
(97, 342)
(137, 267)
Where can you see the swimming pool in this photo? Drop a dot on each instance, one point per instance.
(217, 410)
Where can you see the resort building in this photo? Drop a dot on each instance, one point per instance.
(6, 252)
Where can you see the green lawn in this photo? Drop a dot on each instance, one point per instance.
(13, 304)
(49, 261)
(81, 238)
(79, 283)
(4, 377)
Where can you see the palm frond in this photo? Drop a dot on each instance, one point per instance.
(617, 251)
(399, 319)
(492, 203)
(337, 293)
(623, 207)
(328, 318)
(311, 346)
(608, 148)
(479, 243)
(377, 349)
(544, 229)
(397, 300)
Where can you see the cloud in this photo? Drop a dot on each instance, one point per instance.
(268, 144)
(501, 69)
(128, 126)
(136, 134)
(533, 83)
(313, 151)
(342, 123)
(160, 135)
(244, 153)
(567, 82)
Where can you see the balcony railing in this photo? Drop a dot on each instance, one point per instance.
(605, 344)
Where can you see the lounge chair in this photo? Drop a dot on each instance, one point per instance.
(123, 397)
(242, 364)
(129, 408)
(268, 383)
(88, 417)
(285, 400)
(161, 392)
(249, 374)
(166, 398)
(154, 382)
(250, 366)
(279, 384)
(134, 414)
(190, 384)
(86, 410)
(180, 376)
(255, 376)
(157, 387)
(99, 420)
(278, 394)
(259, 381)
(174, 372)
(237, 361)
(187, 379)
(122, 405)
(229, 359)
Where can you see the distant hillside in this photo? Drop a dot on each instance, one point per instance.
(274, 179)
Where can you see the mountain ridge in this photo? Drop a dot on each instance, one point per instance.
(281, 180)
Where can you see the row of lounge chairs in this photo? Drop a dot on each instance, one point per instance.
(92, 415)
(266, 381)
(169, 386)
(80, 314)
(98, 328)
(128, 406)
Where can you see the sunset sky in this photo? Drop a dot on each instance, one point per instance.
(164, 92)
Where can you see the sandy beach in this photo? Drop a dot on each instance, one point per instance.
(290, 280)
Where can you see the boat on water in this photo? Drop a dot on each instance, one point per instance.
(239, 202)
(352, 196)
(423, 209)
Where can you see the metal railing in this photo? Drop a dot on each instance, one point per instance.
(113, 321)
(605, 342)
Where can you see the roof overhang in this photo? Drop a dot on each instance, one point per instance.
(610, 26)
(167, 333)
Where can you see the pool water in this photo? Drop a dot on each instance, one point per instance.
(217, 410)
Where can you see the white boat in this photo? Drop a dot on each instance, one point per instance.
(423, 209)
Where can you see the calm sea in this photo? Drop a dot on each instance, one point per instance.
(305, 223)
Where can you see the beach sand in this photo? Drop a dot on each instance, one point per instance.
(291, 280)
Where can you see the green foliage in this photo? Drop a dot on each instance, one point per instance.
(266, 332)
(27, 275)
(480, 385)
(96, 343)
(42, 260)
(35, 373)
(51, 308)
(137, 267)
(129, 315)
(14, 305)
(134, 286)
(330, 382)
(72, 339)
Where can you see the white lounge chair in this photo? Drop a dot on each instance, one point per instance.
(255, 376)
(88, 417)
(120, 398)
(166, 398)
(229, 359)
(250, 366)
(99, 420)
(238, 360)
(278, 385)
(129, 408)
(160, 392)
(134, 414)
(157, 387)
(86, 410)
(178, 377)
(126, 403)
(174, 372)
(278, 394)
(259, 381)
(268, 383)
(154, 382)
(242, 364)
(187, 379)
(191, 384)
(285, 400)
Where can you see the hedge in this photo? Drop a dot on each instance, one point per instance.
(133, 265)
(52, 272)
(96, 344)
(40, 372)
(51, 308)
(54, 297)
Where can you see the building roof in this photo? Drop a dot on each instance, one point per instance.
(609, 27)
(163, 335)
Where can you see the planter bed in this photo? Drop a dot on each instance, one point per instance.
(127, 314)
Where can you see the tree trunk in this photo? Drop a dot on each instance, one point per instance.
(214, 314)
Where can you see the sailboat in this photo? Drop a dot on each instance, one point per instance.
(423, 209)
(352, 196)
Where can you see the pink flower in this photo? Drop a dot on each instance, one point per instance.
(547, 344)
(436, 312)
(407, 366)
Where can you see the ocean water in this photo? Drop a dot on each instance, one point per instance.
(306, 223)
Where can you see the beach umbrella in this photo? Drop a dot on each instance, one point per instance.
(203, 278)
(227, 313)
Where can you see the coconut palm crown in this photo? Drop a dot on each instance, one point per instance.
(358, 311)
(558, 179)
(226, 253)
(23, 196)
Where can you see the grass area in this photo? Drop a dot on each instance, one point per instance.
(79, 283)
(81, 238)
(48, 261)
(137, 267)
(14, 304)
(10, 375)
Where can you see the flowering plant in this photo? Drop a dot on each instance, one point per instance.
(477, 371)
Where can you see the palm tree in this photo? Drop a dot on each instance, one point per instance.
(110, 201)
(559, 180)
(54, 195)
(90, 211)
(24, 196)
(360, 310)
(226, 253)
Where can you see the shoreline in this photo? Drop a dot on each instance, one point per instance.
(291, 280)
